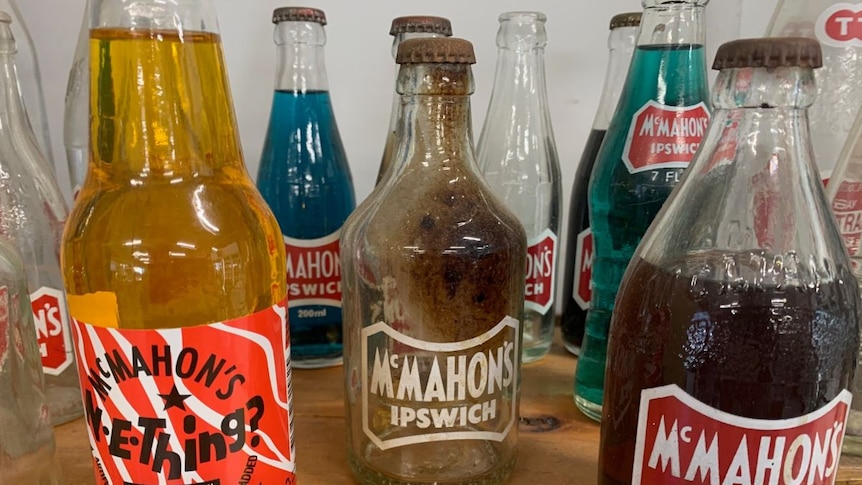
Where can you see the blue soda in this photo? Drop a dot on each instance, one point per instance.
(305, 179)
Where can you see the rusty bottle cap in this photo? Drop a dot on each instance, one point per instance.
(421, 24)
(769, 53)
(298, 14)
(631, 19)
(439, 50)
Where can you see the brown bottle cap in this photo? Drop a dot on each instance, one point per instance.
(631, 19)
(421, 23)
(298, 14)
(438, 50)
(769, 53)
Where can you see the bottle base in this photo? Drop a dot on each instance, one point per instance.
(65, 404)
(37, 468)
(369, 476)
(317, 363)
(535, 354)
(589, 408)
(573, 349)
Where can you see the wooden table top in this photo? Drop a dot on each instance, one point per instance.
(558, 445)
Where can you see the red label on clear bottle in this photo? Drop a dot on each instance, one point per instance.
(847, 206)
(583, 289)
(4, 325)
(663, 137)
(541, 269)
(683, 441)
(50, 317)
(840, 25)
(314, 271)
(199, 405)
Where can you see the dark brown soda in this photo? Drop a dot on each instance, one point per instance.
(761, 351)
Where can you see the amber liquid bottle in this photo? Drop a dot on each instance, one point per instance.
(173, 263)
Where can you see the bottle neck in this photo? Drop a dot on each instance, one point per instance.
(14, 122)
(434, 121)
(301, 63)
(520, 88)
(621, 44)
(397, 40)
(154, 15)
(673, 24)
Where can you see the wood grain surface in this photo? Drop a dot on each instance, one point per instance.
(558, 445)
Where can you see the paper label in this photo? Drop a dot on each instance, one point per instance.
(683, 441)
(431, 391)
(541, 272)
(314, 277)
(847, 207)
(663, 137)
(840, 25)
(52, 329)
(583, 287)
(200, 405)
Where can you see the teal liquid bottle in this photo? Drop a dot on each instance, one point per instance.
(662, 115)
(305, 179)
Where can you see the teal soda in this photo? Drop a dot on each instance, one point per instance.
(305, 178)
(657, 128)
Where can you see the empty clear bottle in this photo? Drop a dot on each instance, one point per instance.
(835, 25)
(433, 296)
(26, 438)
(403, 28)
(578, 268)
(76, 122)
(305, 179)
(518, 157)
(32, 214)
(30, 75)
(656, 130)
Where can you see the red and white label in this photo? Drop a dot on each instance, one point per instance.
(664, 136)
(206, 405)
(541, 272)
(840, 25)
(314, 271)
(683, 441)
(52, 329)
(583, 287)
(847, 207)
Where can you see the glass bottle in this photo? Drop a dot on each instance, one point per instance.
(174, 264)
(305, 179)
(76, 121)
(30, 76)
(518, 157)
(32, 214)
(26, 439)
(403, 28)
(579, 246)
(845, 195)
(839, 82)
(737, 323)
(656, 130)
(434, 288)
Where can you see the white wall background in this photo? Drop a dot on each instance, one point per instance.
(361, 69)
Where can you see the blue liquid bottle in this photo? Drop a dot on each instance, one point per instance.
(305, 178)
(661, 117)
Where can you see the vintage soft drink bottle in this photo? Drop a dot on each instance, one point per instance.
(578, 267)
(655, 132)
(404, 28)
(32, 214)
(434, 293)
(736, 329)
(26, 437)
(76, 121)
(835, 24)
(305, 179)
(174, 264)
(518, 156)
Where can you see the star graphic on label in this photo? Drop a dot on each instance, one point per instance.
(174, 399)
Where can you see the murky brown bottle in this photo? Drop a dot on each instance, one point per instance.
(433, 286)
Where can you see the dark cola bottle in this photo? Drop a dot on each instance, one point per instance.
(734, 338)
